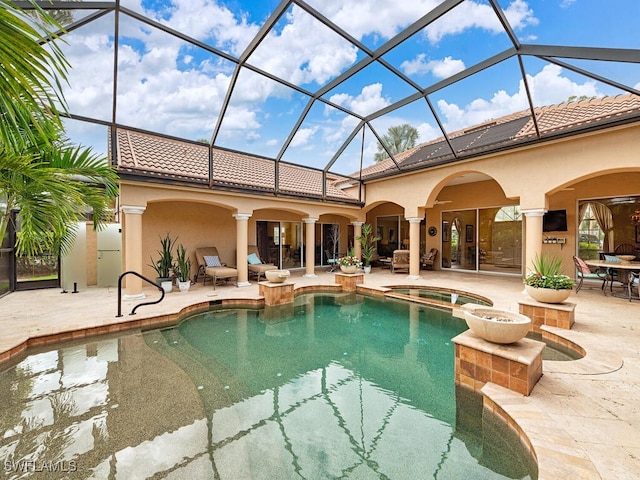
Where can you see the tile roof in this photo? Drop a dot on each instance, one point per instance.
(511, 130)
(161, 157)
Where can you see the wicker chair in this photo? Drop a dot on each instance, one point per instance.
(400, 261)
(428, 260)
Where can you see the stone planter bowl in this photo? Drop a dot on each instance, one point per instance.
(277, 276)
(548, 295)
(497, 326)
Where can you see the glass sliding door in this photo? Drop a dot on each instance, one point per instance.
(500, 239)
(459, 234)
(330, 235)
(486, 239)
(280, 243)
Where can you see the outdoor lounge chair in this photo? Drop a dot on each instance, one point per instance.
(429, 259)
(400, 260)
(256, 266)
(209, 265)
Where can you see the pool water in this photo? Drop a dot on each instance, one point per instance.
(332, 386)
(441, 295)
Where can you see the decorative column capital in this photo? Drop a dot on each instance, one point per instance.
(133, 209)
(242, 216)
(357, 224)
(414, 219)
(534, 212)
(309, 220)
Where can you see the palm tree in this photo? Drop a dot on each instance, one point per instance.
(397, 140)
(27, 72)
(53, 184)
(50, 181)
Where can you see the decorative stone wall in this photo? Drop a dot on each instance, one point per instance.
(517, 366)
(560, 315)
(276, 293)
(349, 281)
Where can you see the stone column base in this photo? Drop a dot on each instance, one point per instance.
(560, 315)
(276, 293)
(348, 281)
(517, 366)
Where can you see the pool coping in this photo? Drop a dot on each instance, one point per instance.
(521, 413)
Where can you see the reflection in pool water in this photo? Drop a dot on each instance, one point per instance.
(329, 387)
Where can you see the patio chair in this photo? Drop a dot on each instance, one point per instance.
(332, 260)
(625, 249)
(633, 282)
(210, 266)
(584, 271)
(428, 260)
(400, 260)
(256, 267)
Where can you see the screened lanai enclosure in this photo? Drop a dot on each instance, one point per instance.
(301, 98)
(318, 84)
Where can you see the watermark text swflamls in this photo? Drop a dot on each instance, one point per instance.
(24, 466)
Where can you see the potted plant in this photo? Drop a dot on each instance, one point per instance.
(182, 268)
(164, 263)
(368, 245)
(349, 263)
(545, 283)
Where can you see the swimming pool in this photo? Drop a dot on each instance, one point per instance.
(443, 297)
(332, 386)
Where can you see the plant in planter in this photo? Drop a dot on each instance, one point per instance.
(164, 263)
(545, 283)
(182, 268)
(368, 245)
(349, 263)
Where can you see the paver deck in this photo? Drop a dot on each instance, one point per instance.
(582, 418)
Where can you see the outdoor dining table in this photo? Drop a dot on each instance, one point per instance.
(627, 267)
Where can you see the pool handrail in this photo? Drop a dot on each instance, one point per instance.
(133, 312)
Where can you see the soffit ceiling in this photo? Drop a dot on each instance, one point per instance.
(318, 83)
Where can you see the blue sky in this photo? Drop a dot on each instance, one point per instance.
(170, 86)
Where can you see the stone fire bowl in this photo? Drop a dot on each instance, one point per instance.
(497, 326)
(277, 276)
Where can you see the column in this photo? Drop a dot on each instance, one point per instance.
(357, 231)
(310, 246)
(242, 228)
(133, 250)
(414, 247)
(533, 238)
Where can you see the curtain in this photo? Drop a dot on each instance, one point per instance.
(604, 218)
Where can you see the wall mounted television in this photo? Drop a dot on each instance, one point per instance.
(554, 221)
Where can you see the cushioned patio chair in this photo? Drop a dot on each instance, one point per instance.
(400, 260)
(210, 266)
(428, 260)
(584, 271)
(256, 267)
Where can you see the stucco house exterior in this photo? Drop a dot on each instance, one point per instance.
(491, 195)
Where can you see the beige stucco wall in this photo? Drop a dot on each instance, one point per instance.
(550, 176)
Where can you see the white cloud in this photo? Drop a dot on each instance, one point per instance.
(309, 52)
(303, 136)
(547, 87)
(471, 14)
(369, 100)
(438, 68)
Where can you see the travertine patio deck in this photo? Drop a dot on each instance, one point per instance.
(582, 418)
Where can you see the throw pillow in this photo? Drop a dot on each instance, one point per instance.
(612, 259)
(254, 259)
(212, 261)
